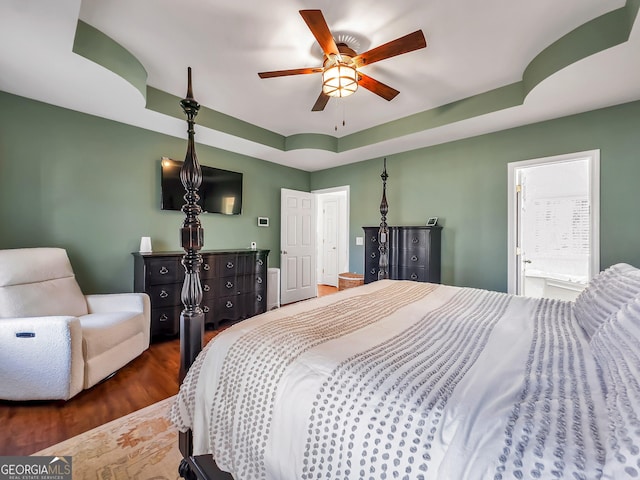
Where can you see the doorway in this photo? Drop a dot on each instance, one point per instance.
(554, 225)
(314, 246)
(332, 234)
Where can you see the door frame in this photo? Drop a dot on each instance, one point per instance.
(513, 256)
(343, 229)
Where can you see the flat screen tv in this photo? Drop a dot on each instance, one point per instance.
(220, 191)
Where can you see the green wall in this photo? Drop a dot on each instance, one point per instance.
(464, 183)
(92, 186)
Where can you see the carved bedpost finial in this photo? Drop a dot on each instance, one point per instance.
(383, 232)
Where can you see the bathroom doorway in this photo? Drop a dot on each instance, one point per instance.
(554, 225)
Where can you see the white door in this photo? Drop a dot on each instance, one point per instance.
(554, 225)
(330, 244)
(297, 246)
(333, 233)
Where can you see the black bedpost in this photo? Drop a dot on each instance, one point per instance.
(383, 232)
(192, 238)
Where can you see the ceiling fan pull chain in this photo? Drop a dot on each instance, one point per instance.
(344, 122)
(344, 115)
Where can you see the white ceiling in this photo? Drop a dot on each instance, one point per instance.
(472, 47)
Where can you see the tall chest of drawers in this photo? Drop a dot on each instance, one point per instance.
(414, 253)
(234, 286)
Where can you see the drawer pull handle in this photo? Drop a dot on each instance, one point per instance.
(373, 255)
(415, 240)
(229, 304)
(374, 240)
(206, 288)
(164, 294)
(229, 265)
(259, 279)
(260, 262)
(205, 309)
(373, 271)
(206, 266)
(414, 276)
(259, 298)
(163, 317)
(414, 258)
(164, 270)
(229, 284)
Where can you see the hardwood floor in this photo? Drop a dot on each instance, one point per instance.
(31, 426)
(28, 427)
(326, 290)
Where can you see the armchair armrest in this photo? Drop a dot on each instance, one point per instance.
(118, 302)
(123, 302)
(40, 358)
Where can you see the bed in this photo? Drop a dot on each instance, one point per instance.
(399, 379)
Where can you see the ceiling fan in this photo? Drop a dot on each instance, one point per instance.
(341, 73)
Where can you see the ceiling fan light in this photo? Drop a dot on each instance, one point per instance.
(339, 80)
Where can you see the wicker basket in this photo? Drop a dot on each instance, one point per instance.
(349, 280)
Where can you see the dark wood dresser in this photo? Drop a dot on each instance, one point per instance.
(234, 286)
(414, 253)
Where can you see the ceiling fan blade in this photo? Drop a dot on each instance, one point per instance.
(379, 88)
(408, 43)
(321, 102)
(284, 73)
(318, 26)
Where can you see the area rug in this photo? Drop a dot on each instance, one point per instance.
(142, 446)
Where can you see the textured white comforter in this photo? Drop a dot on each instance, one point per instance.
(400, 379)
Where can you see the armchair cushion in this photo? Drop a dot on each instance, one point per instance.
(38, 281)
(110, 341)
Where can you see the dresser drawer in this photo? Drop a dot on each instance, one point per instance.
(165, 321)
(164, 270)
(417, 274)
(259, 302)
(371, 268)
(207, 305)
(230, 265)
(230, 308)
(412, 257)
(409, 238)
(165, 295)
(208, 267)
(257, 282)
(224, 286)
(260, 265)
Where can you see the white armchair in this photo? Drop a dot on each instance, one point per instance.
(55, 341)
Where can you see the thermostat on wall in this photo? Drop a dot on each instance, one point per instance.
(263, 221)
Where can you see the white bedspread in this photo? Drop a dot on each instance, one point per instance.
(400, 379)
